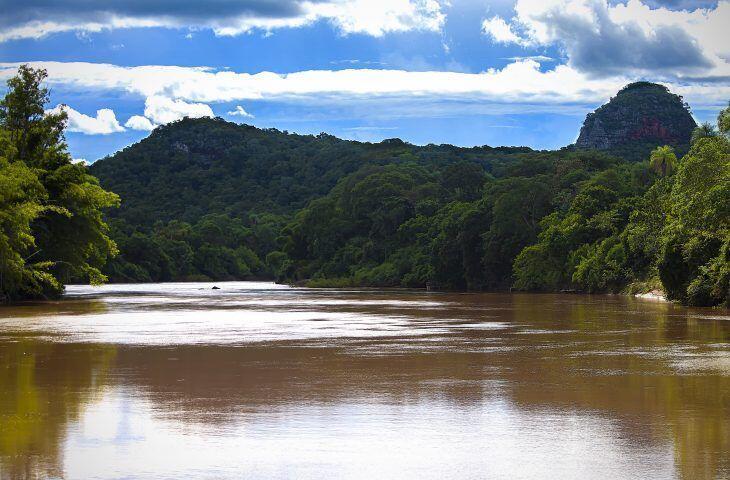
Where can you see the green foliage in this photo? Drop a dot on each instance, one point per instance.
(663, 160)
(580, 248)
(208, 199)
(723, 121)
(193, 167)
(517, 206)
(405, 225)
(217, 247)
(706, 130)
(694, 261)
(602, 266)
(617, 232)
(51, 227)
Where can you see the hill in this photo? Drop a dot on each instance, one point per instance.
(193, 167)
(205, 198)
(640, 117)
(209, 199)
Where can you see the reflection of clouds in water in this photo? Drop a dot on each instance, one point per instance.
(421, 439)
(112, 420)
(430, 385)
(245, 313)
(227, 327)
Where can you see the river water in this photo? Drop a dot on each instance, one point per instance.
(256, 380)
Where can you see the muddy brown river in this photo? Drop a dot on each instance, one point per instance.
(257, 380)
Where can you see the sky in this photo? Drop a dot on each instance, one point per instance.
(465, 72)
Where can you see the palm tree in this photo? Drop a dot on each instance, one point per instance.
(663, 160)
(706, 130)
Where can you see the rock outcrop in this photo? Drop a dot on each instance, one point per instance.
(641, 116)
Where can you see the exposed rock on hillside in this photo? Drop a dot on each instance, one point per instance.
(640, 117)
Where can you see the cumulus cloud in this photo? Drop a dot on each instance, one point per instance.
(160, 109)
(138, 122)
(500, 30)
(104, 123)
(612, 38)
(36, 18)
(240, 112)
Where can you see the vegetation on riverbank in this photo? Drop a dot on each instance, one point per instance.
(51, 227)
(207, 199)
(576, 221)
(399, 215)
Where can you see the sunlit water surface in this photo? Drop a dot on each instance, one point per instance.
(257, 380)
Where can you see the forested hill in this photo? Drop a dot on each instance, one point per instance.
(193, 167)
(209, 199)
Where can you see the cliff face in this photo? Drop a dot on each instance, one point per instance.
(641, 116)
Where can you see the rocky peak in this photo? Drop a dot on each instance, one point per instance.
(641, 116)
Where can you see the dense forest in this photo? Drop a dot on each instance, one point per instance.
(574, 221)
(206, 199)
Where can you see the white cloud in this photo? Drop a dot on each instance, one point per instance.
(240, 112)
(370, 17)
(611, 38)
(104, 123)
(537, 58)
(377, 17)
(39, 28)
(82, 161)
(173, 92)
(500, 30)
(160, 109)
(138, 122)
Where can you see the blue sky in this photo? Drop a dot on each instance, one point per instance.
(465, 72)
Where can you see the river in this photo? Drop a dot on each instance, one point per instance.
(256, 380)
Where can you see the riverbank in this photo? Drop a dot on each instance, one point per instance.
(635, 290)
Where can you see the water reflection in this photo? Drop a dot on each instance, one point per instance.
(43, 389)
(262, 381)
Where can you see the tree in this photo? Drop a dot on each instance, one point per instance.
(49, 205)
(663, 160)
(31, 130)
(465, 180)
(706, 130)
(723, 121)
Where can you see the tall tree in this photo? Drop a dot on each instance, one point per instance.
(50, 208)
